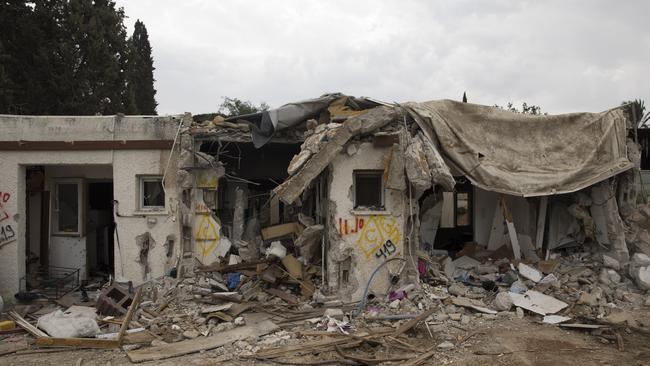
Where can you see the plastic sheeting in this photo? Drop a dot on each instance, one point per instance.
(525, 155)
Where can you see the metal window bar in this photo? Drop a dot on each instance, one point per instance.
(54, 282)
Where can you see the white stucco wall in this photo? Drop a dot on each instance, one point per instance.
(362, 244)
(124, 167)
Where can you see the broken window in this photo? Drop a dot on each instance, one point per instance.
(66, 213)
(152, 195)
(369, 189)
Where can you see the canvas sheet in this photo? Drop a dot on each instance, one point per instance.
(525, 155)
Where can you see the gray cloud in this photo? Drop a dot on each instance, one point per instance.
(563, 55)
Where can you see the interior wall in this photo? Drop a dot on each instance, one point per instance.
(485, 203)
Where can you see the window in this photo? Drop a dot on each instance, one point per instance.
(152, 195)
(67, 207)
(369, 189)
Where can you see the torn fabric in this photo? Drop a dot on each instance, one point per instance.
(264, 124)
(526, 155)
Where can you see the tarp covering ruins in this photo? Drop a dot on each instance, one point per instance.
(522, 154)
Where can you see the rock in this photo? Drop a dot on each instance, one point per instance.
(529, 272)
(441, 317)
(394, 304)
(640, 259)
(465, 319)
(455, 316)
(457, 289)
(642, 277)
(647, 301)
(587, 298)
(191, 334)
(338, 313)
(610, 262)
(613, 276)
(518, 287)
(603, 277)
(239, 321)
(502, 302)
(446, 345)
(486, 268)
(520, 313)
(158, 342)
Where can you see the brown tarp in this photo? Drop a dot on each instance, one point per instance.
(522, 154)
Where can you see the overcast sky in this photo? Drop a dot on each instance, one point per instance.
(565, 56)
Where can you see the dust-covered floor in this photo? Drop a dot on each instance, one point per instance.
(503, 341)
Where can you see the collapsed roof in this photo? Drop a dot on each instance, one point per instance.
(498, 150)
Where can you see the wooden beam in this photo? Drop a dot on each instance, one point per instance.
(541, 222)
(413, 322)
(86, 145)
(129, 315)
(203, 343)
(77, 342)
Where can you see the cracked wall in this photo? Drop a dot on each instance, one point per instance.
(360, 240)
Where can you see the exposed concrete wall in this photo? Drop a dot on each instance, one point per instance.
(124, 166)
(357, 250)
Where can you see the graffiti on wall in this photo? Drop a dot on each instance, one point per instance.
(7, 225)
(206, 234)
(377, 235)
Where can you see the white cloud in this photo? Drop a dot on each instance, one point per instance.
(562, 55)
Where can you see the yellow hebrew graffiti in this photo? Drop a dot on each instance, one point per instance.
(207, 235)
(377, 230)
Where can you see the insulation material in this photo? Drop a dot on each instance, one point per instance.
(512, 153)
(61, 325)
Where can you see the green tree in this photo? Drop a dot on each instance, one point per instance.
(140, 93)
(635, 112)
(237, 107)
(62, 57)
(525, 108)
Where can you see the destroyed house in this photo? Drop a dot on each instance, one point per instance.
(357, 197)
(331, 198)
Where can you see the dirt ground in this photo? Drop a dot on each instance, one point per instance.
(501, 342)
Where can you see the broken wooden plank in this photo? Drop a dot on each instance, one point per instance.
(413, 322)
(26, 325)
(421, 358)
(129, 315)
(77, 342)
(201, 344)
(281, 230)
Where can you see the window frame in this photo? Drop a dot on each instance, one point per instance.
(368, 172)
(80, 206)
(142, 179)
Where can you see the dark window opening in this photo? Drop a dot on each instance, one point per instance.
(153, 195)
(368, 189)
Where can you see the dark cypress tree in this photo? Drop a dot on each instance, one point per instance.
(140, 93)
(95, 40)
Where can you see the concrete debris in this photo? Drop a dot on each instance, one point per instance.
(610, 262)
(529, 272)
(555, 319)
(537, 302)
(502, 302)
